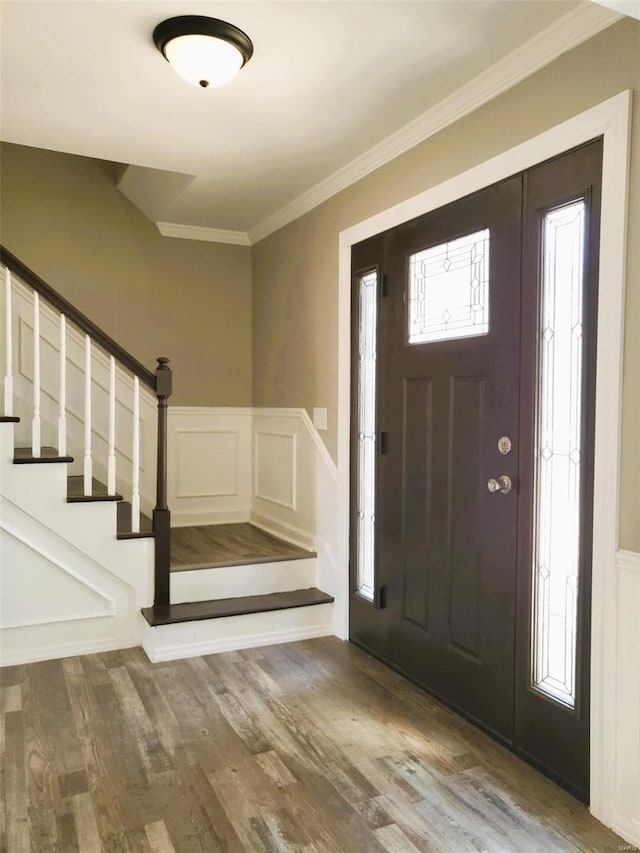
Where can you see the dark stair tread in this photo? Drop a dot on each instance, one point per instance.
(194, 611)
(9, 419)
(124, 523)
(24, 456)
(75, 491)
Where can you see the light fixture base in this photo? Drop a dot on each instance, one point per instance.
(202, 26)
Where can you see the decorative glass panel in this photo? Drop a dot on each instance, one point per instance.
(449, 290)
(365, 522)
(558, 453)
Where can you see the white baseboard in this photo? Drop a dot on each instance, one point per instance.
(192, 519)
(628, 828)
(65, 650)
(288, 532)
(251, 641)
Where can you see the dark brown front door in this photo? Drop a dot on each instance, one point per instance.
(456, 423)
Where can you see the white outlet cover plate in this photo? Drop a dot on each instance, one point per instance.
(320, 418)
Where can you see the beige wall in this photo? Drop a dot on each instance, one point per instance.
(191, 301)
(295, 270)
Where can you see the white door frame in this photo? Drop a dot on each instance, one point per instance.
(610, 119)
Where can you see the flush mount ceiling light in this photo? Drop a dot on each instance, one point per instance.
(205, 51)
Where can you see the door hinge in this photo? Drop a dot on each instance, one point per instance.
(384, 285)
(384, 441)
(381, 598)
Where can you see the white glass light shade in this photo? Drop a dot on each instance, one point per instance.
(204, 60)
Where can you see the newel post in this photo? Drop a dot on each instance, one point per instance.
(161, 514)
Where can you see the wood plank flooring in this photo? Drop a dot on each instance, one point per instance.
(309, 746)
(212, 545)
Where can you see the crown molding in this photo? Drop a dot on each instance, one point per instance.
(199, 232)
(568, 32)
(625, 7)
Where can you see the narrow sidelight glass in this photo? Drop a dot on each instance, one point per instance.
(366, 454)
(558, 454)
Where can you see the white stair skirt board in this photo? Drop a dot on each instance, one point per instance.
(236, 581)
(208, 636)
(55, 599)
(68, 586)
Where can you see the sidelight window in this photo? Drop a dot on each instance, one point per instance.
(366, 452)
(558, 453)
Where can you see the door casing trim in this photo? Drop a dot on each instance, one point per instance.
(610, 119)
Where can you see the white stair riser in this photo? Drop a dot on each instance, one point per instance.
(235, 581)
(209, 636)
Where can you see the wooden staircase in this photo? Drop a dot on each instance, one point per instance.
(215, 587)
(223, 571)
(213, 567)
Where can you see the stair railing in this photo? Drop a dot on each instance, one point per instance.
(159, 382)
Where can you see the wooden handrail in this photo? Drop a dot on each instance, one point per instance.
(77, 317)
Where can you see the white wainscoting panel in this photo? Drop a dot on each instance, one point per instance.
(196, 480)
(306, 472)
(626, 814)
(275, 468)
(283, 499)
(209, 468)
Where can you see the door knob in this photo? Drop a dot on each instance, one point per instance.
(502, 484)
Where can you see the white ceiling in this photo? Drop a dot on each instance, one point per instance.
(328, 80)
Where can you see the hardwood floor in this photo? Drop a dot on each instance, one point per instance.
(309, 746)
(227, 545)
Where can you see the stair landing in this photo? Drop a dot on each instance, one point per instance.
(215, 545)
(238, 572)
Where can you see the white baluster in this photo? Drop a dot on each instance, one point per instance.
(35, 423)
(8, 376)
(135, 478)
(111, 459)
(88, 465)
(62, 412)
